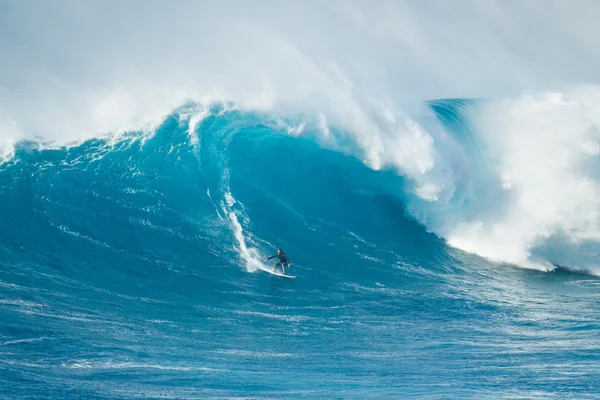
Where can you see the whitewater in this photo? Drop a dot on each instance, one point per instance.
(432, 171)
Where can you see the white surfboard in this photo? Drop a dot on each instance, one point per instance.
(280, 274)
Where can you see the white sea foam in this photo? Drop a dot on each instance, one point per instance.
(541, 152)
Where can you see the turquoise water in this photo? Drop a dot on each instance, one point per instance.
(131, 268)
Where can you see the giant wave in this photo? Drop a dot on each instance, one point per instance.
(131, 267)
(431, 170)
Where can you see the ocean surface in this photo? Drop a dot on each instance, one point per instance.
(132, 266)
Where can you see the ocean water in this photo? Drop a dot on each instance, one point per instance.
(132, 267)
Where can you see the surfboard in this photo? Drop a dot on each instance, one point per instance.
(282, 275)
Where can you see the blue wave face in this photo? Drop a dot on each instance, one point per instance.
(133, 268)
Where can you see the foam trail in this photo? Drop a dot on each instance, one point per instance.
(250, 255)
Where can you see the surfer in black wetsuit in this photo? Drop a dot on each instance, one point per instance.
(283, 259)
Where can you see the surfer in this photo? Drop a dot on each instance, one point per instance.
(283, 259)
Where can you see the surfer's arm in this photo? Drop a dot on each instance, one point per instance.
(267, 259)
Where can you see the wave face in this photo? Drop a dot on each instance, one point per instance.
(132, 266)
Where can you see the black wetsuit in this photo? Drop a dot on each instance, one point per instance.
(283, 259)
